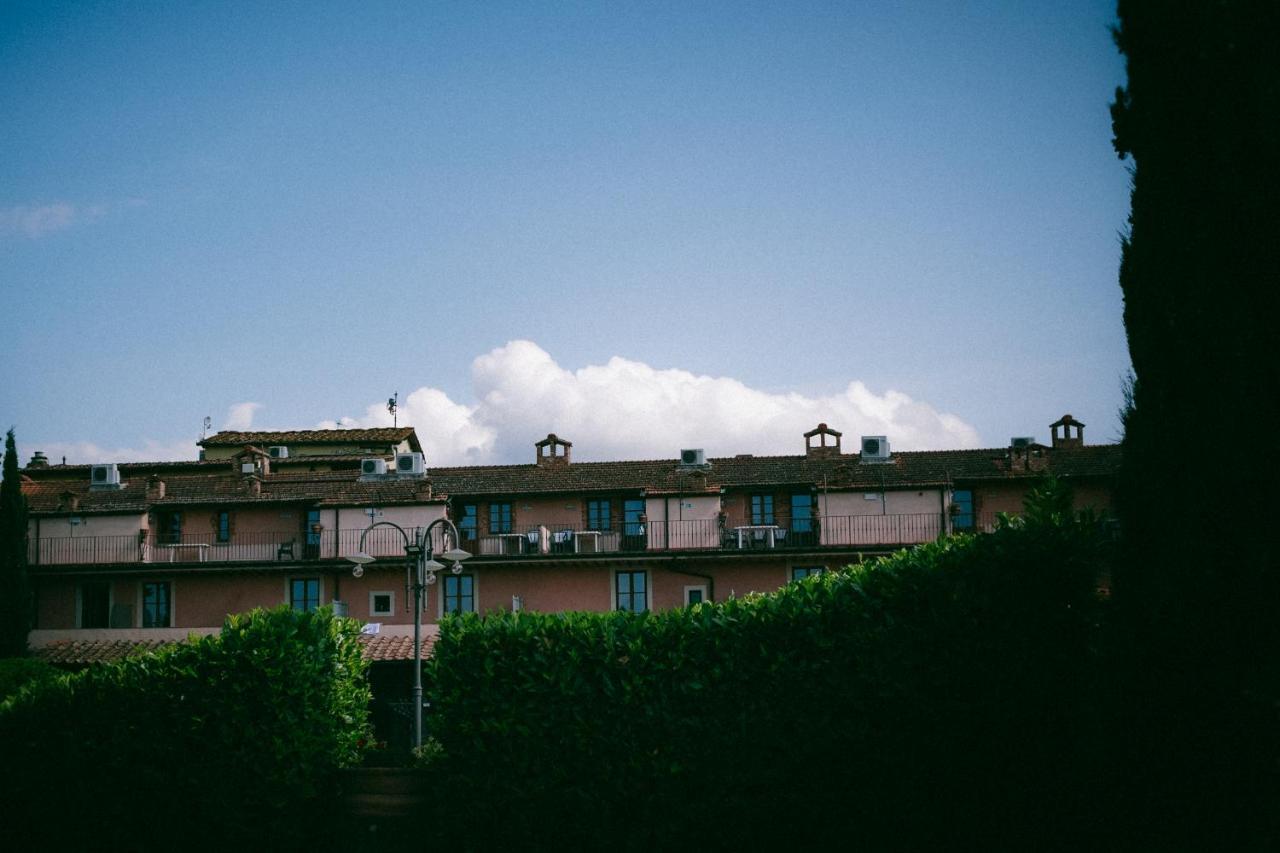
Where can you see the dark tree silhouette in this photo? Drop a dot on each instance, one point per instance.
(15, 596)
(1198, 596)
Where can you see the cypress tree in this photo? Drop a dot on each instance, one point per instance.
(1199, 589)
(15, 596)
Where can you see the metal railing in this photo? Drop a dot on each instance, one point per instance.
(528, 541)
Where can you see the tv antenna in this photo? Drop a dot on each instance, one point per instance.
(208, 422)
(392, 405)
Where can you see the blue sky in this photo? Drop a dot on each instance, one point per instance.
(645, 226)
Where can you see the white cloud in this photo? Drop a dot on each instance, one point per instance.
(35, 222)
(626, 409)
(240, 416)
(86, 452)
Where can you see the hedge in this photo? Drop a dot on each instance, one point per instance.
(946, 692)
(223, 740)
(16, 673)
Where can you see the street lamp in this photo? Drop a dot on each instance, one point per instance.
(419, 552)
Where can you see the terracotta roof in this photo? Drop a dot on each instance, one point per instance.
(324, 488)
(912, 468)
(380, 435)
(377, 647)
(661, 476)
(94, 651)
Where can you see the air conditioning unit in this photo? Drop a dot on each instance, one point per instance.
(373, 467)
(693, 458)
(875, 448)
(107, 476)
(1022, 442)
(278, 451)
(410, 463)
(248, 467)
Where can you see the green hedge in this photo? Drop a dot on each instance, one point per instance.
(16, 673)
(946, 692)
(226, 739)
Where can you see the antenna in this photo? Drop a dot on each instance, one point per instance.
(208, 422)
(392, 405)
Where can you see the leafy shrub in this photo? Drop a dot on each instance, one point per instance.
(16, 673)
(222, 740)
(942, 693)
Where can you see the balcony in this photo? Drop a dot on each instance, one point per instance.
(544, 540)
(152, 548)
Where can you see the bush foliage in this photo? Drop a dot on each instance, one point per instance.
(226, 739)
(16, 673)
(944, 692)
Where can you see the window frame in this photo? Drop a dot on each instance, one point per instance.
(698, 588)
(222, 532)
(631, 593)
(809, 570)
(802, 522)
(957, 515)
(443, 594)
(469, 532)
(288, 592)
(763, 510)
(390, 611)
(504, 522)
(600, 515)
(168, 603)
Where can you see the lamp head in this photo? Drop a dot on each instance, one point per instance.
(456, 568)
(455, 555)
(357, 571)
(360, 559)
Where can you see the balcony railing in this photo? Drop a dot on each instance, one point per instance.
(532, 541)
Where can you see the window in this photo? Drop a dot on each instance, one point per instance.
(762, 509)
(632, 592)
(95, 605)
(694, 595)
(382, 603)
(632, 523)
(304, 594)
(155, 605)
(802, 513)
(459, 594)
(169, 527)
(799, 573)
(499, 518)
(224, 526)
(467, 523)
(962, 509)
(598, 516)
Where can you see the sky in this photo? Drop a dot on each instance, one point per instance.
(645, 227)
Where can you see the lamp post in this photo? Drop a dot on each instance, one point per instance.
(421, 558)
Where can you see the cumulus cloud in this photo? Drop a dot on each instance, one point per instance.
(86, 452)
(240, 416)
(626, 409)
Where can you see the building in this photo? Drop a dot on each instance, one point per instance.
(132, 553)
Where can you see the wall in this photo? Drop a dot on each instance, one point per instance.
(96, 539)
(888, 518)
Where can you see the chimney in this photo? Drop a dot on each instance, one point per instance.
(68, 502)
(422, 489)
(552, 451)
(155, 488)
(38, 460)
(1063, 437)
(822, 449)
(253, 485)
